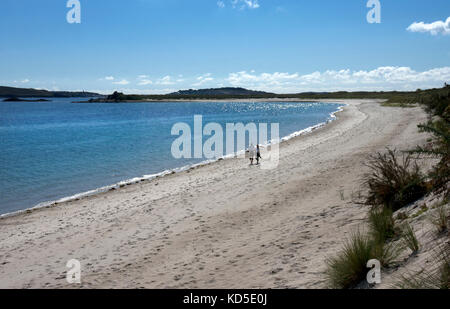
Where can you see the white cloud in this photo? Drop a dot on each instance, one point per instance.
(382, 78)
(166, 80)
(122, 82)
(221, 4)
(378, 79)
(134, 90)
(264, 78)
(144, 80)
(241, 4)
(435, 28)
(108, 78)
(23, 81)
(203, 79)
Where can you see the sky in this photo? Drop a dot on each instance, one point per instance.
(283, 46)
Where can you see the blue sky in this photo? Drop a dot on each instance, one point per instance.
(159, 46)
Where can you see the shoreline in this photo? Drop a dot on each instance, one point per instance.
(215, 100)
(224, 225)
(176, 170)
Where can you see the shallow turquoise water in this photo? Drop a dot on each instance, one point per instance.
(56, 149)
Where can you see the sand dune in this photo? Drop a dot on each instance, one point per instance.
(224, 225)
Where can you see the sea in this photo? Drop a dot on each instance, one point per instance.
(60, 150)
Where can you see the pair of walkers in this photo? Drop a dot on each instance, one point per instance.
(254, 153)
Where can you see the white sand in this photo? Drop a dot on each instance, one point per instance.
(225, 225)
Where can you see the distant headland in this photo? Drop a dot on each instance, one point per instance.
(391, 97)
(191, 94)
(12, 92)
(226, 93)
(16, 99)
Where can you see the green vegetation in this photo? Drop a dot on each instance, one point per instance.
(349, 267)
(429, 97)
(423, 209)
(436, 278)
(119, 96)
(438, 148)
(410, 239)
(437, 105)
(386, 252)
(7, 92)
(393, 98)
(202, 94)
(392, 183)
(441, 218)
(381, 224)
(401, 216)
(382, 233)
(404, 105)
(230, 91)
(16, 99)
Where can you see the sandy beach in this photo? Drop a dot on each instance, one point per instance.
(223, 225)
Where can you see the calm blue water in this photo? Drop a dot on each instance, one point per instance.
(57, 149)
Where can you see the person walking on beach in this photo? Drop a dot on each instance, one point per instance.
(258, 154)
(251, 153)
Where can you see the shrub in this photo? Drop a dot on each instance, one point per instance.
(402, 216)
(439, 147)
(436, 278)
(423, 209)
(386, 252)
(440, 220)
(410, 239)
(349, 267)
(393, 183)
(381, 223)
(382, 229)
(437, 103)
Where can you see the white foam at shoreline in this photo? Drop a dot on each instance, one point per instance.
(166, 172)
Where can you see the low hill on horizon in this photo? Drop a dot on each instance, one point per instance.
(6, 92)
(225, 91)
